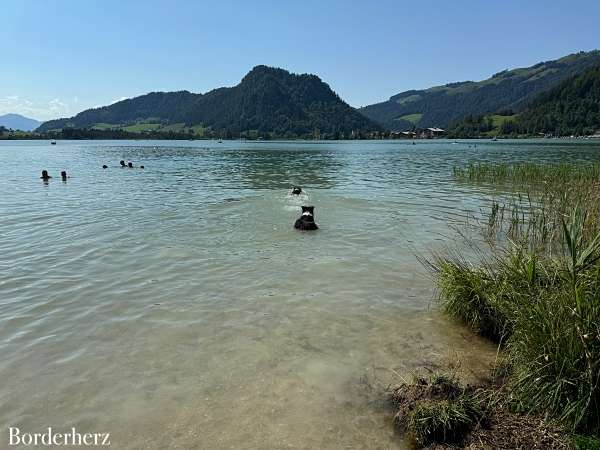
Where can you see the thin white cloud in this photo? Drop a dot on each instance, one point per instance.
(40, 110)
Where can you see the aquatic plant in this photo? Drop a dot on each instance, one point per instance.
(533, 199)
(555, 348)
(540, 294)
(547, 310)
(527, 172)
(472, 294)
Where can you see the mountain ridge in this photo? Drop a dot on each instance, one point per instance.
(572, 108)
(18, 122)
(508, 89)
(268, 101)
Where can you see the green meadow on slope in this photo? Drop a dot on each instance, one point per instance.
(571, 108)
(440, 106)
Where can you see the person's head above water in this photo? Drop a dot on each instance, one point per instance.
(130, 164)
(45, 175)
(296, 190)
(122, 163)
(104, 166)
(63, 174)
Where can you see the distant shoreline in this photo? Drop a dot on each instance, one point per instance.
(28, 136)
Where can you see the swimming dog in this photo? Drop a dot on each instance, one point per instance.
(306, 221)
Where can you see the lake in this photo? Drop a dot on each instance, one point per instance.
(176, 307)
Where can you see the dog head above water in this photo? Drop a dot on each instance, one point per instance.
(307, 219)
(308, 211)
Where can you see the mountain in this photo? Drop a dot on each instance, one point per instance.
(508, 90)
(18, 122)
(267, 102)
(571, 108)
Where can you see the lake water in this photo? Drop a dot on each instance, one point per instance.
(176, 306)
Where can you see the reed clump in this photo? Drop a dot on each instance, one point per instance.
(529, 173)
(444, 420)
(546, 314)
(539, 295)
(437, 409)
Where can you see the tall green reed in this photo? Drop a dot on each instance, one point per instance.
(539, 293)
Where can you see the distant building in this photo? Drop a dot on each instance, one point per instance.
(430, 133)
(419, 133)
(403, 135)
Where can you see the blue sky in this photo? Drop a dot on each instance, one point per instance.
(59, 57)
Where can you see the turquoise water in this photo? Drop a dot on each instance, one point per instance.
(176, 306)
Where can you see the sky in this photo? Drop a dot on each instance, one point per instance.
(59, 57)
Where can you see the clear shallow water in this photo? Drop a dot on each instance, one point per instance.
(176, 306)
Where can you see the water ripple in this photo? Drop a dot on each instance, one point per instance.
(148, 302)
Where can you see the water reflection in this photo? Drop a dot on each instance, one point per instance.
(275, 169)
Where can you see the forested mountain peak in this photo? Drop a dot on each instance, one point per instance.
(268, 101)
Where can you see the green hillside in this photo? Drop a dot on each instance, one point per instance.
(508, 90)
(571, 108)
(267, 102)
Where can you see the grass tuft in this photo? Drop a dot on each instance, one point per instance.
(443, 420)
(474, 295)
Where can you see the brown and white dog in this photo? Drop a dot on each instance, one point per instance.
(306, 221)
